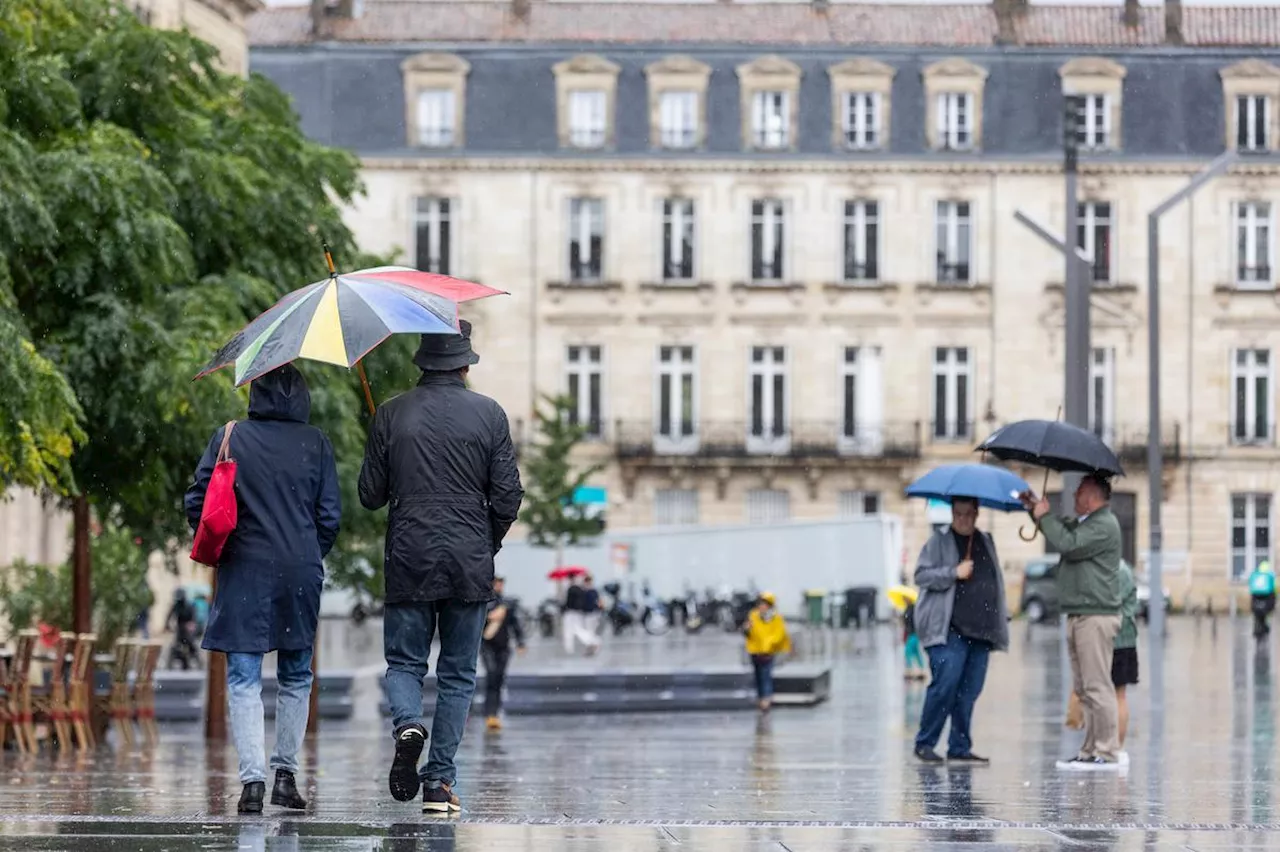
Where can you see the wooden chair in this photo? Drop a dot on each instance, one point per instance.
(51, 704)
(20, 717)
(118, 704)
(80, 690)
(144, 690)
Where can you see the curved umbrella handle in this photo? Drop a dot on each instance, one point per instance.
(1035, 531)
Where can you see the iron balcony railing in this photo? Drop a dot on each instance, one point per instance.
(721, 439)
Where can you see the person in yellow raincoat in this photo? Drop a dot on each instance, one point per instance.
(767, 637)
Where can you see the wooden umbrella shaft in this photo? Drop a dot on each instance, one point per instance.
(364, 383)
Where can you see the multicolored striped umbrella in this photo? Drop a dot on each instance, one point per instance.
(344, 317)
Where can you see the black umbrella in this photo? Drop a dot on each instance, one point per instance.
(1054, 445)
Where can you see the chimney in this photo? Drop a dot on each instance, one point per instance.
(1131, 13)
(521, 9)
(1008, 12)
(1173, 22)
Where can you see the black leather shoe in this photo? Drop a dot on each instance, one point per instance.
(251, 797)
(285, 792)
(927, 755)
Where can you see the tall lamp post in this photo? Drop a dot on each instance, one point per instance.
(1076, 287)
(1155, 455)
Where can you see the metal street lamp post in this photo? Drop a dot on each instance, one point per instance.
(1155, 456)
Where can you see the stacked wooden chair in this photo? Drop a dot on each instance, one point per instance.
(118, 704)
(80, 690)
(18, 692)
(50, 703)
(143, 708)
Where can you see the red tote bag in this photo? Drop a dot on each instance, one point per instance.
(218, 518)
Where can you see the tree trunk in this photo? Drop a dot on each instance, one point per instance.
(313, 715)
(215, 715)
(81, 567)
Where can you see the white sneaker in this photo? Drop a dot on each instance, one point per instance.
(1122, 758)
(1088, 764)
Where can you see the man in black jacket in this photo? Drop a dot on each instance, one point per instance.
(501, 625)
(442, 457)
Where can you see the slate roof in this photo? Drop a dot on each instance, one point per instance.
(884, 25)
(352, 96)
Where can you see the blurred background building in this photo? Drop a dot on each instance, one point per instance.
(770, 248)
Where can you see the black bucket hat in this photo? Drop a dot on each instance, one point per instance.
(444, 353)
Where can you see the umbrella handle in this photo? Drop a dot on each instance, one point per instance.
(1035, 530)
(364, 382)
(328, 258)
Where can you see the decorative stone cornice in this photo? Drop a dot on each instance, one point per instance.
(1092, 66)
(1250, 69)
(769, 66)
(955, 67)
(435, 63)
(677, 64)
(586, 63)
(861, 66)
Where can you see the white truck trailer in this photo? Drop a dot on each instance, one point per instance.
(786, 558)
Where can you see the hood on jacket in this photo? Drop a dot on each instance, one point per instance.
(281, 394)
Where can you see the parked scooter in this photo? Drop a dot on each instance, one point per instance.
(548, 618)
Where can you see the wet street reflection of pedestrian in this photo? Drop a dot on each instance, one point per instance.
(271, 573)
(501, 625)
(441, 456)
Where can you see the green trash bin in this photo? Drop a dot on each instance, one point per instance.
(815, 605)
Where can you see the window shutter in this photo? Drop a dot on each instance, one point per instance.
(870, 402)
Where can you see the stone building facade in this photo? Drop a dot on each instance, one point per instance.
(780, 271)
(221, 23)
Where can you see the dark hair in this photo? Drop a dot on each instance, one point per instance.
(498, 579)
(972, 501)
(1102, 483)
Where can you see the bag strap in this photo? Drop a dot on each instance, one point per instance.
(226, 442)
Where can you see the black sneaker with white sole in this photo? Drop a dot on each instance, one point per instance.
(439, 798)
(404, 781)
(928, 755)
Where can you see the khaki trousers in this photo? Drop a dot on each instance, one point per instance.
(1090, 642)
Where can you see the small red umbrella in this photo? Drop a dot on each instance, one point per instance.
(566, 572)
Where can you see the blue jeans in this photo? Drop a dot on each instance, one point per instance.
(959, 670)
(407, 633)
(763, 665)
(293, 703)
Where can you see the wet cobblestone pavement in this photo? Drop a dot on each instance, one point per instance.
(836, 777)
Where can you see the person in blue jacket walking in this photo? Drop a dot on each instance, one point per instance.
(1262, 594)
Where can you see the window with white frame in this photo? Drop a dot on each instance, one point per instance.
(1250, 533)
(952, 393)
(767, 372)
(1252, 402)
(861, 400)
(677, 239)
(586, 239)
(768, 239)
(955, 121)
(588, 118)
(677, 426)
(861, 241)
(1102, 390)
(768, 506)
(1253, 244)
(1093, 236)
(857, 504)
(433, 235)
(954, 242)
(437, 111)
(678, 119)
(770, 119)
(1253, 113)
(1093, 130)
(862, 120)
(584, 386)
(675, 506)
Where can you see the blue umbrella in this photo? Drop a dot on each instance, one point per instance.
(993, 487)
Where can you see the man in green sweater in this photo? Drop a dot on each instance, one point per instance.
(1090, 595)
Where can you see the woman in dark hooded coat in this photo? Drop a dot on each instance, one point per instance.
(271, 572)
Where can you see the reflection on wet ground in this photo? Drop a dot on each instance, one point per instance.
(836, 777)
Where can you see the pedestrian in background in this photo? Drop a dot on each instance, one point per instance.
(767, 638)
(1262, 597)
(271, 573)
(441, 456)
(501, 625)
(581, 618)
(914, 659)
(1090, 596)
(1124, 659)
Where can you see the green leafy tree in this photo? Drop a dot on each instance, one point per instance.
(552, 478)
(150, 205)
